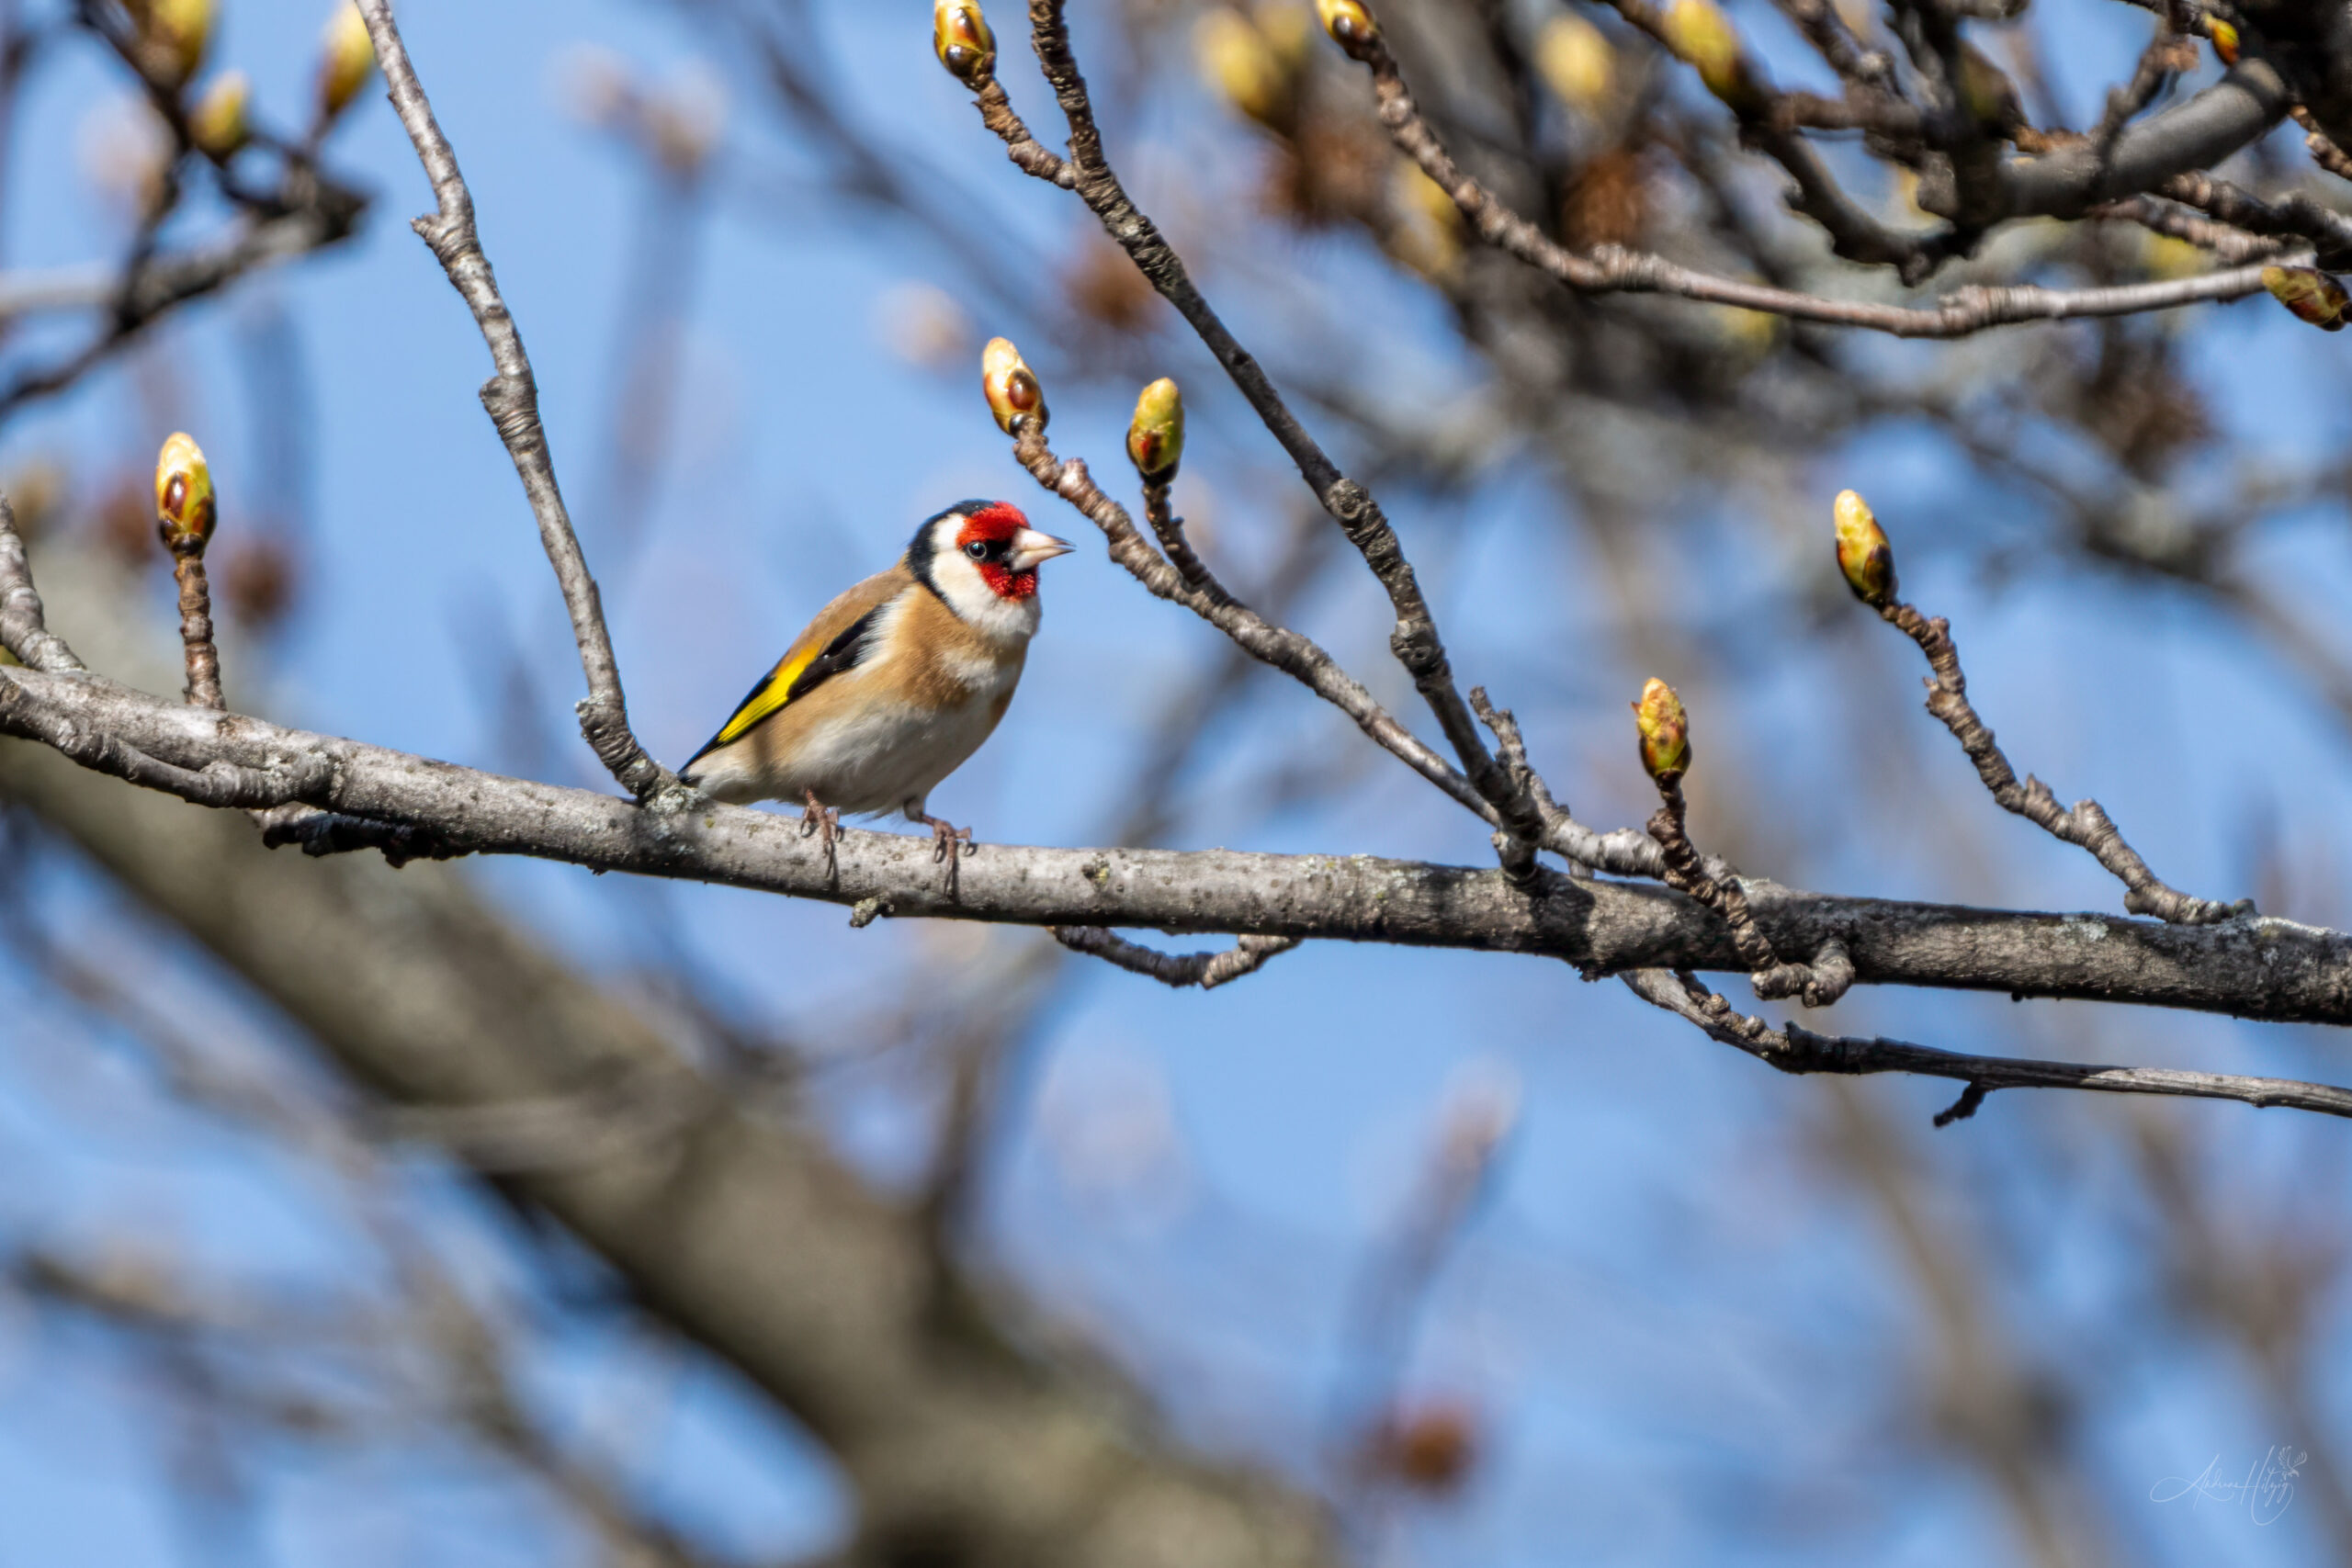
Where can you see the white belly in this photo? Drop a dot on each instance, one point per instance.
(887, 756)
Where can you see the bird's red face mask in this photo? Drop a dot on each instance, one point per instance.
(1005, 551)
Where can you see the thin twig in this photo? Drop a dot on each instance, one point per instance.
(1613, 270)
(24, 625)
(2086, 825)
(1799, 1050)
(513, 398)
(1414, 641)
(1207, 970)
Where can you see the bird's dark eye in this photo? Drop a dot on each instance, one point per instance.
(977, 549)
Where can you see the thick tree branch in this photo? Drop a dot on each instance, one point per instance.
(513, 398)
(2252, 967)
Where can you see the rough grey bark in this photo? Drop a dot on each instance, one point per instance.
(2255, 967)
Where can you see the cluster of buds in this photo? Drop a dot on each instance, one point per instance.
(1012, 387)
(1665, 731)
(1351, 27)
(1156, 435)
(1703, 37)
(346, 57)
(218, 124)
(960, 36)
(2315, 295)
(171, 38)
(185, 508)
(1864, 554)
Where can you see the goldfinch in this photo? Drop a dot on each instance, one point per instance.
(894, 684)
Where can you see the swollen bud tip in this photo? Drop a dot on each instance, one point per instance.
(1701, 34)
(1666, 732)
(1155, 435)
(1864, 554)
(1350, 24)
(346, 55)
(2225, 41)
(183, 504)
(175, 35)
(218, 125)
(1011, 387)
(960, 36)
(2312, 295)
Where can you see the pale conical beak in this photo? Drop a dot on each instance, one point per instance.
(1030, 548)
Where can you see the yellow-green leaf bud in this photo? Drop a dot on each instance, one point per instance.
(175, 35)
(1666, 732)
(960, 36)
(185, 509)
(1698, 32)
(1155, 435)
(1350, 24)
(1011, 387)
(1577, 62)
(2311, 293)
(218, 125)
(2225, 39)
(346, 56)
(1863, 553)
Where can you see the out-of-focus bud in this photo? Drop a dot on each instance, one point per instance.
(1577, 62)
(218, 125)
(184, 504)
(2225, 41)
(346, 56)
(1010, 386)
(960, 36)
(1666, 732)
(1701, 34)
(2311, 293)
(1155, 435)
(1986, 89)
(1864, 554)
(36, 490)
(1428, 238)
(1241, 63)
(1350, 24)
(1431, 1447)
(174, 35)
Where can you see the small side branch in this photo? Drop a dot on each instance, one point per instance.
(1798, 1050)
(1207, 970)
(2086, 825)
(1612, 269)
(512, 398)
(24, 625)
(1414, 641)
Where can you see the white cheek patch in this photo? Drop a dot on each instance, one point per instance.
(977, 605)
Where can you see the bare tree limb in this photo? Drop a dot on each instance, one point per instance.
(512, 396)
(2252, 968)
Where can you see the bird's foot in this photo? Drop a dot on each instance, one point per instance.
(949, 843)
(818, 818)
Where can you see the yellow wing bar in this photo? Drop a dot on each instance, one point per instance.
(765, 698)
